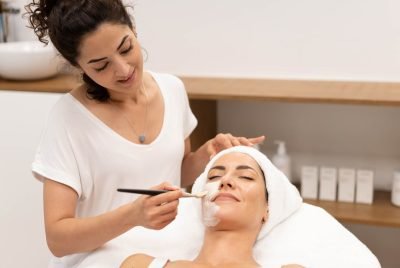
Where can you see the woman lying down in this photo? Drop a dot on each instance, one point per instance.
(234, 212)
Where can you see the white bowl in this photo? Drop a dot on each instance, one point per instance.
(28, 60)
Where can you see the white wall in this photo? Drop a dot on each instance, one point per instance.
(22, 116)
(352, 39)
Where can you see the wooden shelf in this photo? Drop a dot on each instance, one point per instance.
(209, 88)
(382, 212)
(294, 90)
(57, 84)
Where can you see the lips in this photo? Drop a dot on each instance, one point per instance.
(127, 79)
(225, 197)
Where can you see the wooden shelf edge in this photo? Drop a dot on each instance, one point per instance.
(381, 213)
(211, 88)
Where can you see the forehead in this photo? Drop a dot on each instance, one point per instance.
(104, 40)
(234, 159)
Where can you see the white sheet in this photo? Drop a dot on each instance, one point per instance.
(310, 237)
(315, 239)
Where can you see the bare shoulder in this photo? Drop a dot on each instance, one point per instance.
(137, 261)
(185, 264)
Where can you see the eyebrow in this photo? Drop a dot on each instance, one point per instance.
(241, 167)
(218, 167)
(245, 167)
(119, 46)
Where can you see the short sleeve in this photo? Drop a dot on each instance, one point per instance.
(189, 120)
(54, 157)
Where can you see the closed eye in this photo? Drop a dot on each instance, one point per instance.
(123, 52)
(213, 177)
(102, 68)
(247, 178)
(126, 51)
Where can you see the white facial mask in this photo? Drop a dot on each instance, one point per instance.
(210, 209)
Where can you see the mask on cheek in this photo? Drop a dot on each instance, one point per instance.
(210, 209)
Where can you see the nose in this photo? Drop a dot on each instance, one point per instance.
(227, 182)
(122, 67)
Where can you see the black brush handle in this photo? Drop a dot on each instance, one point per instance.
(142, 191)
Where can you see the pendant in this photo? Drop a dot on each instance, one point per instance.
(142, 138)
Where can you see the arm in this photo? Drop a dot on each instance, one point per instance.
(137, 261)
(67, 234)
(194, 162)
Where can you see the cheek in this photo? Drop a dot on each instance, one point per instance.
(102, 78)
(255, 198)
(210, 209)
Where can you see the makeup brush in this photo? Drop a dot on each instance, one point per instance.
(156, 192)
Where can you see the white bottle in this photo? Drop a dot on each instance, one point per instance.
(396, 189)
(281, 160)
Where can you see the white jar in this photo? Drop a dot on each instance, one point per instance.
(396, 188)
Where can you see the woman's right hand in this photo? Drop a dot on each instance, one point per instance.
(156, 212)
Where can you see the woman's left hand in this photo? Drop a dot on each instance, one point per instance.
(224, 141)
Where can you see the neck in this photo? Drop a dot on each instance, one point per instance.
(134, 98)
(231, 248)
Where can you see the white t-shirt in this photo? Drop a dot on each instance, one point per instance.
(79, 150)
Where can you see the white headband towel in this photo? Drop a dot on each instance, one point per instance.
(283, 197)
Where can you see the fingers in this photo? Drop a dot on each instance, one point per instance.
(224, 141)
(257, 140)
(158, 211)
(165, 186)
(167, 208)
(168, 219)
(161, 216)
(245, 141)
(165, 198)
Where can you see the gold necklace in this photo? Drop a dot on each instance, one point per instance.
(141, 137)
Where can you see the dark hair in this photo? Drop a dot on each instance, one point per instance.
(66, 22)
(265, 184)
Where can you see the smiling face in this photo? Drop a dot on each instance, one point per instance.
(111, 56)
(240, 195)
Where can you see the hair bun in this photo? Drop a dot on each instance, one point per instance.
(38, 12)
(48, 6)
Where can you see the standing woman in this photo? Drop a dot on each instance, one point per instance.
(122, 128)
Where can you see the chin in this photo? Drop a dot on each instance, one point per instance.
(229, 217)
(228, 225)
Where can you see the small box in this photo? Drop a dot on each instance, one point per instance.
(365, 186)
(309, 182)
(327, 183)
(347, 184)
